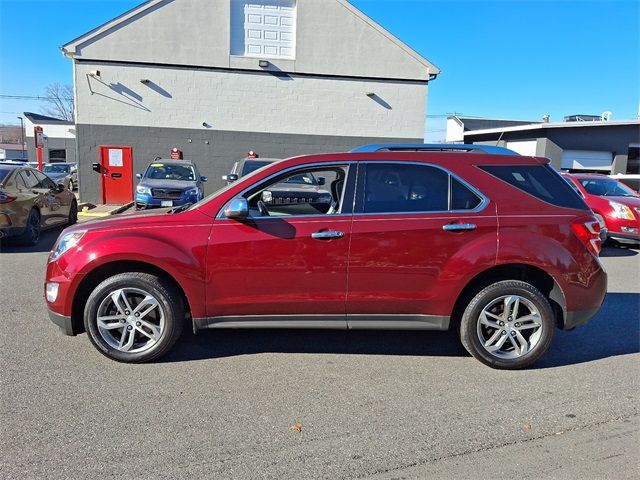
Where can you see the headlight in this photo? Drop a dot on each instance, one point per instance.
(143, 190)
(64, 243)
(621, 211)
(192, 191)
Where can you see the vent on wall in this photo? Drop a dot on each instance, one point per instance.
(263, 28)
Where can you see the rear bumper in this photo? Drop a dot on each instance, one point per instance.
(62, 321)
(579, 317)
(624, 237)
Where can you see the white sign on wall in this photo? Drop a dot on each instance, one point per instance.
(115, 157)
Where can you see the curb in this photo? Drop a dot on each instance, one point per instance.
(84, 212)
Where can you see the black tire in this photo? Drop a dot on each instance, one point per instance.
(471, 326)
(31, 234)
(170, 305)
(73, 213)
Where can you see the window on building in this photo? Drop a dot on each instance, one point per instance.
(57, 155)
(263, 28)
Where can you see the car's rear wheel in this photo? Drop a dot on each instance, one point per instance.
(508, 325)
(134, 317)
(73, 213)
(31, 234)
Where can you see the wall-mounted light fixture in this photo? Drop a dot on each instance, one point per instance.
(145, 80)
(370, 94)
(94, 73)
(206, 125)
(263, 63)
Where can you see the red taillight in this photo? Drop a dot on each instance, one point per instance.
(587, 229)
(6, 198)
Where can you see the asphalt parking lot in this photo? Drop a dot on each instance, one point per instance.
(368, 404)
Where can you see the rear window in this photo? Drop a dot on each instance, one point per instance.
(541, 181)
(4, 172)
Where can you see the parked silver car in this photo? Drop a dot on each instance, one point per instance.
(64, 173)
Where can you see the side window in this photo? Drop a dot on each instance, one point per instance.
(398, 188)
(541, 181)
(29, 178)
(43, 181)
(20, 182)
(462, 198)
(317, 191)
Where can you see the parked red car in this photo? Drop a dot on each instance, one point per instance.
(614, 204)
(496, 246)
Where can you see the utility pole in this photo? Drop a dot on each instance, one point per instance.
(22, 136)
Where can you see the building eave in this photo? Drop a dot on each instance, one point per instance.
(545, 126)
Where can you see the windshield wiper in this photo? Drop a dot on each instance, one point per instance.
(181, 208)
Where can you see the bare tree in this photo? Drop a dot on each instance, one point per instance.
(59, 99)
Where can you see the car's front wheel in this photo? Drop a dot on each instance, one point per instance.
(31, 234)
(134, 317)
(508, 325)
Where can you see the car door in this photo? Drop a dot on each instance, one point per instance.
(288, 268)
(54, 208)
(417, 233)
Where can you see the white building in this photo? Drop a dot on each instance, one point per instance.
(217, 78)
(59, 138)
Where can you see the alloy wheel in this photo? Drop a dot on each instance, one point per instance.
(130, 320)
(509, 327)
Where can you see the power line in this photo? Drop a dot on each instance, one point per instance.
(32, 97)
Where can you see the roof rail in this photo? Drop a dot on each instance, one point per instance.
(433, 147)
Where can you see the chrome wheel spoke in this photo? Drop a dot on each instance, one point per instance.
(529, 321)
(127, 339)
(153, 334)
(511, 306)
(110, 322)
(493, 338)
(498, 345)
(146, 306)
(520, 343)
(488, 322)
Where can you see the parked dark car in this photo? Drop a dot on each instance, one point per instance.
(30, 202)
(409, 241)
(614, 204)
(293, 191)
(169, 183)
(65, 173)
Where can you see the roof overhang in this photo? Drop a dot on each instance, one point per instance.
(549, 126)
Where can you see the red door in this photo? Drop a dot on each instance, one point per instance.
(116, 174)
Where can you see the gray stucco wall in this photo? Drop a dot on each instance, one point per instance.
(214, 151)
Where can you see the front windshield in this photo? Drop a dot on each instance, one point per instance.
(164, 171)
(303, 179)
(606, 187)
(253, 165)
(56, 168)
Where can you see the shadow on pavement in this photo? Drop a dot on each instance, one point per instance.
(615, 330)
(47, 239)
(620, 251)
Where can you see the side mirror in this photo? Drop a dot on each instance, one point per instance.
(232, 177)
(59, 188)
(203, 178)
(238, 209)
(139, 176)
(322, 181)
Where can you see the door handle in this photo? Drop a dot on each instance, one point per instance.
(327, 235)
(458, 227)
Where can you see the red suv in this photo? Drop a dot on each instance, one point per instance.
(499, 247)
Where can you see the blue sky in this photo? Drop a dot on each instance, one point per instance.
(505, 59)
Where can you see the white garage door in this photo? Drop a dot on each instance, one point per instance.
(264, 28)
(587, 160)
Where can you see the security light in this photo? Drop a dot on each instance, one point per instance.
(263, 63)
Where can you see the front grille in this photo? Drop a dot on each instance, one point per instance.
(168, 193)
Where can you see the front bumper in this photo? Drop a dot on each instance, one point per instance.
(62, 321)
(623, 237)
(147, 201)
